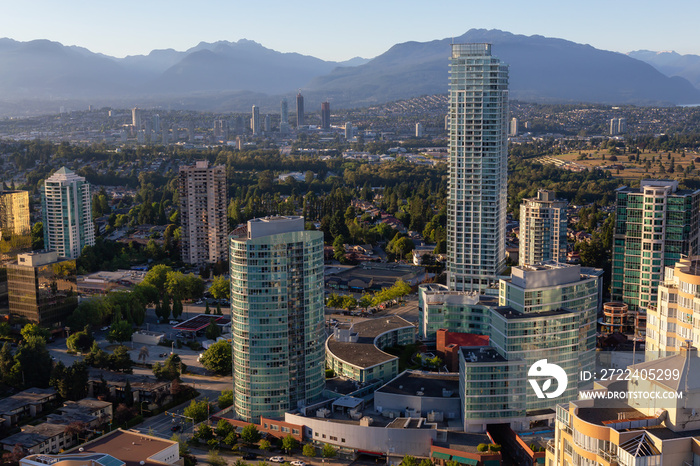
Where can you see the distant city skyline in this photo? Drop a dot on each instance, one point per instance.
(365, 29)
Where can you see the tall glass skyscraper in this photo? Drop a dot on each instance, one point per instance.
(655, 225)
(277, 316)
(66, 208)
(476, 204)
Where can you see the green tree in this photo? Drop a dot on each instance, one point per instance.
(81, 341)
(177, 308)
(223, 428)
(328, 451)
(426, 462)
(7, 360)
(164, 314)
(217, 358)
(265, 445)
(289, 443)
(91, 312)
(213, 331)
(32, 367)
(409, 460)
(225, 399)
(120, 360)
(339, 248)
(120, 330)
(220, 288)
(128, 394)
(197, 410)
(250, 434)
(308, 450)
(33, 330)
(157, 277)
(171, 368)
(37, 235)
(231, 439)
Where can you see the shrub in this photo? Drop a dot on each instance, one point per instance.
(482, 447)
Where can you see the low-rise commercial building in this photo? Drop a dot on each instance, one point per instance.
(434, 396)
(355, 350)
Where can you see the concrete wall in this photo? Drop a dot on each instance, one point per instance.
(424, 404)
(399, 442)
(169, 455)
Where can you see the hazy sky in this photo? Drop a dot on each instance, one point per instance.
(339, 30)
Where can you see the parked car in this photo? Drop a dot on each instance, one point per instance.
(105, 328)
(250, 456)
(277, 459)
(174, 322)
(298, 463)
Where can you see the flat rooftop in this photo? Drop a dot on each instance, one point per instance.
(200, 322)
(479, 354)
(604, 411)
(341, 385)
(378, 275)
(461, 441)
(364, 353)
(431, 384)
(129, 446)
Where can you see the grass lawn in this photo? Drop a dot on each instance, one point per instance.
(623, 167)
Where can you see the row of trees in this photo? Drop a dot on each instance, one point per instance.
(349, 302)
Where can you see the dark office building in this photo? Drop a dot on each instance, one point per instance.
(326, 115)
(300, 110)
(42, 288)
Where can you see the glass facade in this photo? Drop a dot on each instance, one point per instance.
(478, 149)
(45, 294)
(277, 322)
(452, 310)
(654, 226)
(67, 213)
(492, 388)
(557, 336)
(14, 213)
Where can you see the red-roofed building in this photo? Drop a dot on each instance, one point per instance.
(448, 344)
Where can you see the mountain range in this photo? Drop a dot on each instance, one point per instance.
(671, 63)
(225, 76)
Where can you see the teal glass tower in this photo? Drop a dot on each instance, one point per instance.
(277, 317)
(655, 225)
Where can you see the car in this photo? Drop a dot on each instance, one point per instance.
(277, 459)
(105, 328)
(250, 456)
(298, 463)
(176, 428)
(174, 322)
